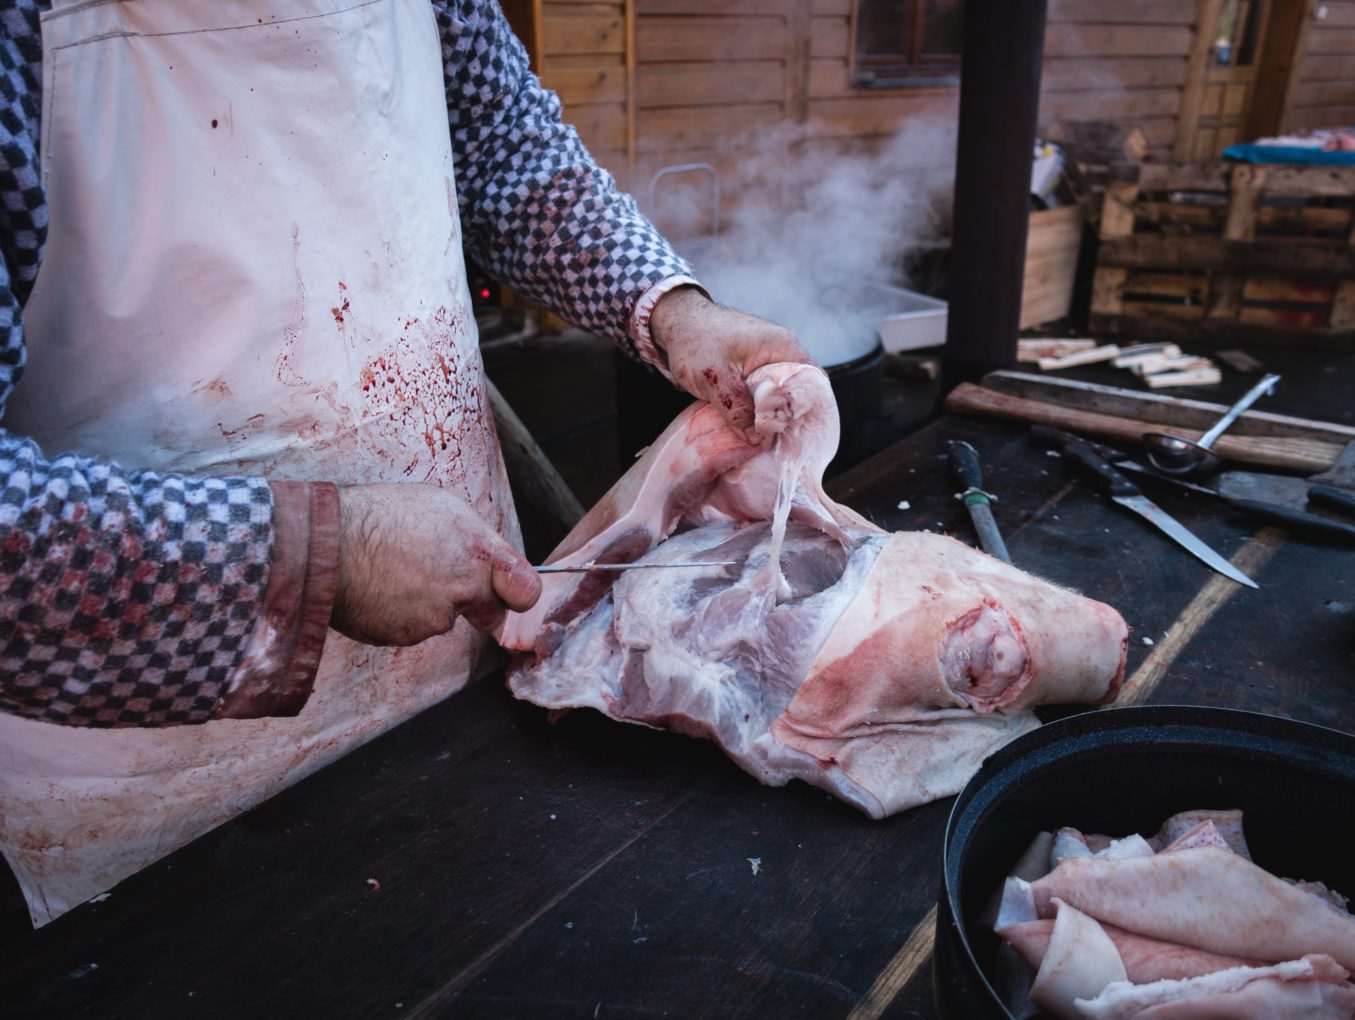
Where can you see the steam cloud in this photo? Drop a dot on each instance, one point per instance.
(807, 232)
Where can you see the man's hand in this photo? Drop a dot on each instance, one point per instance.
(712, 349)
(414, 558)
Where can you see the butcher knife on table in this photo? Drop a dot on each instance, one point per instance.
(1130, 496)
(1290, 517)
(964, 465)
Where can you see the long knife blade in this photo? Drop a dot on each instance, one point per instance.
(964, 465)
(990, 539)
(586, 568)
(1129, 495)
(1154, 514)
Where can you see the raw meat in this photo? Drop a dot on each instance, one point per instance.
(1313, 988)
(1198, 930)
(1205, 897)
(1080, 960)
(881, 667)
(1145, 960)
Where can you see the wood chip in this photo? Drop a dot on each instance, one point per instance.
(1091, 357)
(1190, 377)
(1131, 356)
(1035, 348)
(1180, 363)
(1241, 361)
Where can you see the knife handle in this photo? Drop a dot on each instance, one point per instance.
(964, 466)
(1332, 498)
(1057, 439)
(1047, 435)
(1294, 520)
(1087, 457)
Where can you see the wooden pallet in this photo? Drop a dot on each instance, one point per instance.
(1230, 252)
(1051, 264)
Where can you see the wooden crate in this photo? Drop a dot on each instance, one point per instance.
(1052, 246)
(1232, 252)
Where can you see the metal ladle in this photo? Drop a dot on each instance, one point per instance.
(1176, 455)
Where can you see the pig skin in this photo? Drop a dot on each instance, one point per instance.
(1313, 988)
(1206, 897)
(1145, 959)
(883, 668)
(1079, 962)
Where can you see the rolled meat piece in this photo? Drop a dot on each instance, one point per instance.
(1313, 988)
(1145, 959)
(1208, 898)
(1079, 962)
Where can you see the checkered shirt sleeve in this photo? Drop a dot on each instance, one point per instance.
(126, 598)
(537, 211)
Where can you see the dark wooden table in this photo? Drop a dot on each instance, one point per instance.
(479, 862)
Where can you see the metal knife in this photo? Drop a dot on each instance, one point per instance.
(1128, 495)
(587, 568)
(964, 467)
(1295, 520)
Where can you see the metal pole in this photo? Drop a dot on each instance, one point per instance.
(999, 103)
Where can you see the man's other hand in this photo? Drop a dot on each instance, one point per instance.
(712, 349)
(414, 558)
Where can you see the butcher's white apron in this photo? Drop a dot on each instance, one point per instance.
(253, 267)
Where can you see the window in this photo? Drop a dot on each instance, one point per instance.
(1235, 38)
(907, 42)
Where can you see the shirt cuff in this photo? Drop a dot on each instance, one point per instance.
(277, 672)
(639, 321)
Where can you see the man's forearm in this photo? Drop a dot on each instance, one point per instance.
(130, 598)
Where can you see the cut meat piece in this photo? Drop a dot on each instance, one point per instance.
(702, 469)
(881, 667)
(1205, 897)
(1313, 988)
(1145, 959)
(1203, 834)
(1080, 960)
(1227, 823)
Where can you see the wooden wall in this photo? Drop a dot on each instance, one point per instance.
(1123, 60)
(706, 76)
(657, 82)
(584, 55)
(1324, 94)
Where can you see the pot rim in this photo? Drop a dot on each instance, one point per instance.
(862, 361)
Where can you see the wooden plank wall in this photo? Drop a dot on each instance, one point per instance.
(650, 83)
(583, 54)
(1324, 95)
(1123, 60)
(841, 111)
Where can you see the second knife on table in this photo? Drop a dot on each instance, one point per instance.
(1130, 496)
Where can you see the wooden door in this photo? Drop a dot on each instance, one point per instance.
(1218, 99)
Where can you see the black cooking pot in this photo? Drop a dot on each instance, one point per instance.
(647, 404)
(1128, 770)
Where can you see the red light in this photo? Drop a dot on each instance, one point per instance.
(484, 293)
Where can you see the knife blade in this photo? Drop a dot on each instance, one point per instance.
(1286, 514)
(1130, 496)
(964, 466)
(586, 568)
(1296, 521)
